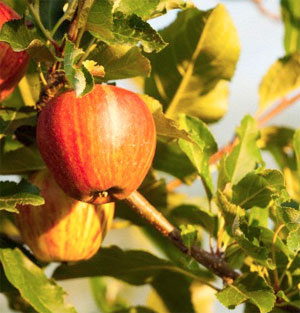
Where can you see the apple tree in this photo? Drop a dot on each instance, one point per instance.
(81, 157)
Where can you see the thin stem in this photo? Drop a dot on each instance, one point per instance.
(275, 272)
(92, 45)
(287, 268)
(71, 8)
(266, 12)
(156, 219)
(42, 77)
(43, 29)
(284, 104)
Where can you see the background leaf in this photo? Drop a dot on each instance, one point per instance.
(21, 38)
(121, 61)
(282, 77)
(258, 189)
(12, 194)
(200, 151)
(291, 17)
(249, 287)
(43, 294)
(245, 155)
(118, 28)
(194, 64)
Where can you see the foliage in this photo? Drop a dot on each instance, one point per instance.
(250, 213)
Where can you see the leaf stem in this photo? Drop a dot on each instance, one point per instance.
(287, 267)
(92, 45)
(156, 219)
(275, 272)
(266, 12)
(65, 17)
(42, 28)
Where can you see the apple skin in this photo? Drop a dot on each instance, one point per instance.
(98, 147)
(63, 229)
(13, 64)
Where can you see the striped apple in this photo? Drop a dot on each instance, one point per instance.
(63, 229)
(12, 64)
(98, 147)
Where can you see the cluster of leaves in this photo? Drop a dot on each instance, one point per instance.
(251, 213)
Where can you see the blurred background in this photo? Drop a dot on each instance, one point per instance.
(262, 44)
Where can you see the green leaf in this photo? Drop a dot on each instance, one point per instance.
(105, 303)
(11, 119)
(282, 77)
(83, 12)
(137, 268)
(100, 20)
(228, 209)
(118, 28)
(21, 38)
(164, 126)
(189, 234)
(245, 155)
(293, 240)
(290, 10)
(296, 143)
(132, 266)
(149, 8)
(169, 158)
(43, 294)
(200, 151)
(13, 194)
(266, 236)
(247, 238)
(249, 287)
(121, 61)
(196, 63)
(258, 188)
(79, 77)
(289, 216)
(50, 12)
(176, 299)
(20, 161)
(279, 142)
(193, 214)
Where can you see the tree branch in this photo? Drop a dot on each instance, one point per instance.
(156, 219)
(266, 12)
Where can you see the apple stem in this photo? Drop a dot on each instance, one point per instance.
(211, 261)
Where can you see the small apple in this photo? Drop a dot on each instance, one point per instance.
(63, 229)
(12, 64)
(98, 147)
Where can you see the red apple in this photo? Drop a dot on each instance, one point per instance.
(63, 229)
(98, 147)
(12, 64)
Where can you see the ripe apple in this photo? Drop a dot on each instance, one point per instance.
(63, 229)
(12, 64)
(98, 147)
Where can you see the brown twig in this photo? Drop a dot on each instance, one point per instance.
(211, 261)
(266, 12)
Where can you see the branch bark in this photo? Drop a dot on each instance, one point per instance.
(211, 261)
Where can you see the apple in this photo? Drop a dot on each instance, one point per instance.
(63, 229)
(98, 147)
(12, 64)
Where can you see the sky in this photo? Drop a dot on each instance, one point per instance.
(262, 43)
